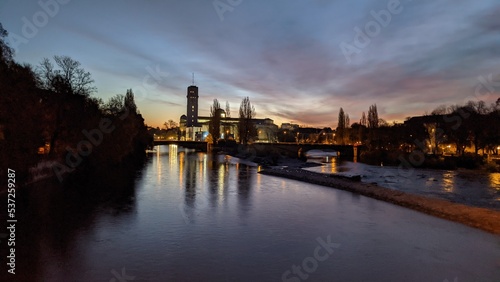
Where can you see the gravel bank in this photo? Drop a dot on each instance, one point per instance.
(485, 219)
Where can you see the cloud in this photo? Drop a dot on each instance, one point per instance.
(284, 54)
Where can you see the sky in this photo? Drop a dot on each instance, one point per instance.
(298, 61)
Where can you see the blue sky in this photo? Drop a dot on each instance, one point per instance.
(289, 56)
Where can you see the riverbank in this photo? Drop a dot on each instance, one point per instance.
(485, 219)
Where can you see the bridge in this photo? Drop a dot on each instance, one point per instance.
(197, 145)
(294, 149)
(262, 149)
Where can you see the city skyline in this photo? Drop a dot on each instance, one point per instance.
(297, 61)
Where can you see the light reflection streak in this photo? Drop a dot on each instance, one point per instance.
(200, 167)
(259, 176)
(333, 167)
(222, 179)
(181, 168)
(172, 155)
(203, 173)
(449, 182)
(495, 180)
(323, 169)
(158, 164)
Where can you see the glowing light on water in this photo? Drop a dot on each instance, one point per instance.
(449, 182)
(495, 181)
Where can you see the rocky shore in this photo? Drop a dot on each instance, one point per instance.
(485, 219)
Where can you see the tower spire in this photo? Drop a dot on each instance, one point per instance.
(193, 78)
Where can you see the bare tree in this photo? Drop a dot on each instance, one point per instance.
(115, 105)
(68, 78)
(440, 110)
(170, 124)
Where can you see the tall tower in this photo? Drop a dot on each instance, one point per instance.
(192, 106)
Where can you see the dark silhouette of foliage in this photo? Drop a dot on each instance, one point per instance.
(373, 116)
(246, 127)
(215, 118)
(68, 78)
(48, 116)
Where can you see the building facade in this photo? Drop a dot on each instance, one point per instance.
(195, 128)
(192, 106)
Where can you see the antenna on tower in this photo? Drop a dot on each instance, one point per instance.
(193, 78)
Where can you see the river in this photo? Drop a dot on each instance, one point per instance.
(469, 187)
(192, 217)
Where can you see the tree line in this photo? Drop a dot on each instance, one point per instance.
(247, 130)
(48, 114)
(475, 125)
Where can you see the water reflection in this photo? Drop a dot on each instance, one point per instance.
(235, 225)
(190, 185)
(448, 181)
(181, 157)
(210, 182)
(52, 219)
(172, 156)
(495, 181)
(245, 184)
(474, 188)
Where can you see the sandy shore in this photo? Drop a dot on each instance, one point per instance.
(485, 219)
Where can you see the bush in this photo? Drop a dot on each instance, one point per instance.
(470, 161)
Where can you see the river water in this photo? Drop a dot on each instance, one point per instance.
(193, 217)
(469, 187)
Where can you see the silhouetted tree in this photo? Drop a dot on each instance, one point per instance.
(215, 118)
(246, 127)
(373, 124)
(341, 132)
(69, 78)
(440, 110)
(170, 124)
(129, 101)
(21, 114)
(53, 106)
(373, 116)
(115, 105)
(363, 121)
(228, 110)
(5, 51)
